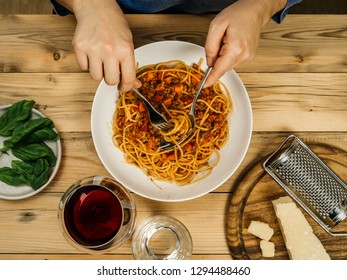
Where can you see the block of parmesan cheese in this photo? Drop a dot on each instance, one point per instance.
(267, 249)
(261, 230)
(301, 242)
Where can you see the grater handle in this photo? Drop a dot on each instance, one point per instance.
(268, 161)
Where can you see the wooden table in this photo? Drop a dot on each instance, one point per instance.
(297, 83)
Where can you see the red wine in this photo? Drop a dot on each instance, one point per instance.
(93, 215)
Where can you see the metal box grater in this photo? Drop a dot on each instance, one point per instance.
(311, 183)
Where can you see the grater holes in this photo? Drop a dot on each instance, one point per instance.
(304, 175)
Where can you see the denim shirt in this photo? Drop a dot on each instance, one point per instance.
(177, 6)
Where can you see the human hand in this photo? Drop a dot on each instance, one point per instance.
(103, 43)
(234, 34)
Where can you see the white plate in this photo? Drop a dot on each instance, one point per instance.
(24, 191)
(134, 178)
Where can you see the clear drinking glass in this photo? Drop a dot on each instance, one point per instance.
(97, 214)
(162, 238)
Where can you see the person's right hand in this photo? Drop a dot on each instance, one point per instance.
(234, 34)
(103, 43)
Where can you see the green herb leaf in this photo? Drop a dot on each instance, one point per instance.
(15, 115)
(45, 134)
(10, 177)
(24, 131)
(33, 152)
(27, 144)
(35, 173)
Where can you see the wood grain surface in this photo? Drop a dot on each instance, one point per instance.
(301, 44)
(296, 83)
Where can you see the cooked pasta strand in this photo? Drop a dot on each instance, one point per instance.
(170, 86)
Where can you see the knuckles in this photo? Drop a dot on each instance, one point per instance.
(96, 76)
(111, 81)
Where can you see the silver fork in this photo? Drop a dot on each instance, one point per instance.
(164, 146)
(156, 119)
(191, 113)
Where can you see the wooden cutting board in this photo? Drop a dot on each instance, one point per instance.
(252, 200)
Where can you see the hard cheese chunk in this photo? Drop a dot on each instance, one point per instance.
(267, 249)
(261, 230)
(301, 242)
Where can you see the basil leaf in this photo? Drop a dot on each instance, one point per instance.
(25, 130)
(45, 134)
(35, 173)
(33, 152)
(10, 177)
(21, 167)
(15, 115)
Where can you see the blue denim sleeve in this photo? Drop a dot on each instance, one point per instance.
(278, 17)
(59, 9)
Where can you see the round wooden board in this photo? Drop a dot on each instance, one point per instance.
(252, 200)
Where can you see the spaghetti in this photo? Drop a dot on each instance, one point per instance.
(170, 86)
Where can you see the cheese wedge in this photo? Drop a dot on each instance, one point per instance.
(301, 242)
(267, 249)
(261, 230)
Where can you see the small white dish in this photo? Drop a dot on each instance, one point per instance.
(23, 191)
(132, 177)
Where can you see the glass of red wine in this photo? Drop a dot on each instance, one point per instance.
(97, 214)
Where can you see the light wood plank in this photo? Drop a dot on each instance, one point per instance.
(297, 102)
(32, 224)
(280, 101)
(66, 98)
(94, 257)
(25, 7)
(302, 43)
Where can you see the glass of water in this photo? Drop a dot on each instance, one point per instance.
(162, 238)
